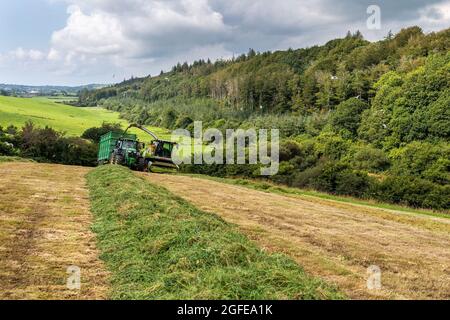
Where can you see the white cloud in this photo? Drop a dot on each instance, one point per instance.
(436, 14)
(96, 34)
(125, 37)
(26, 55)
(136, 28)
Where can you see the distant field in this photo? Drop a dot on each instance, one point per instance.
(72, 120)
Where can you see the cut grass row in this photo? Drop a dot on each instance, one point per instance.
(158, 246)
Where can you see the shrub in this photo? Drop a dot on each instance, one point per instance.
(305, 178)
(80, 152)
(326, 181)
(49, 145)
(412, 191)
(7, 149)
(332, 147)
(422, 159)
(367, 158)
(352, 183)
(183, 122)
(289, 150)
(347, 116)
(335, 178)
(94, 134)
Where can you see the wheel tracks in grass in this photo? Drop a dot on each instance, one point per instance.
(44, 227)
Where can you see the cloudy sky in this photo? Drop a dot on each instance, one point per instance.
(71, 42)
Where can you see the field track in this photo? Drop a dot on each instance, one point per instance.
(45, 228)
(333, 240)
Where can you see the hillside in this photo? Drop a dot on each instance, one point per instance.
(297, 82)
(69, 119)
(357, 118)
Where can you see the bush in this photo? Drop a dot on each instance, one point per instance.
(7, 149)
(423, 160)
(305, 178)
(367, 158)
(79, 152)
(347, 117)
(51, 146)
(334, 178)
(94, 134)
(414, 192)
(332, 147)
(352, 183)
(289, 150)
(183, 122)
(439, 122)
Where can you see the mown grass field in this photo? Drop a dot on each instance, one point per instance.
(45, 228)
(283, 190)
(72, 120)
(158, 246)
(162, 236)
(331, 239)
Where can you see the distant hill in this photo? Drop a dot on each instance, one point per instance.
(27, 90)
(300, 81)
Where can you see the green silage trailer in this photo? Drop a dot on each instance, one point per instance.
(108, 143)
(124, 149)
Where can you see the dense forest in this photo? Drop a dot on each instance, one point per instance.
(359, 118)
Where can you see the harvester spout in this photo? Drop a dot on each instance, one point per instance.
(134, 125)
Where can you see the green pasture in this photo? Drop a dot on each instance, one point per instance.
(71, 120)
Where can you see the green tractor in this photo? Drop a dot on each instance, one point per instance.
(124, 149)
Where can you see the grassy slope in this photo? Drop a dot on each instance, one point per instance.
(72, 120)
(4, 159)
(158, 246)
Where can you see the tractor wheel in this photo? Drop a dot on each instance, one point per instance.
(118, 159)
(141, 164)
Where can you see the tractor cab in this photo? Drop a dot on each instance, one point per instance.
(163, 149)
(126, 152)
(127, 146)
